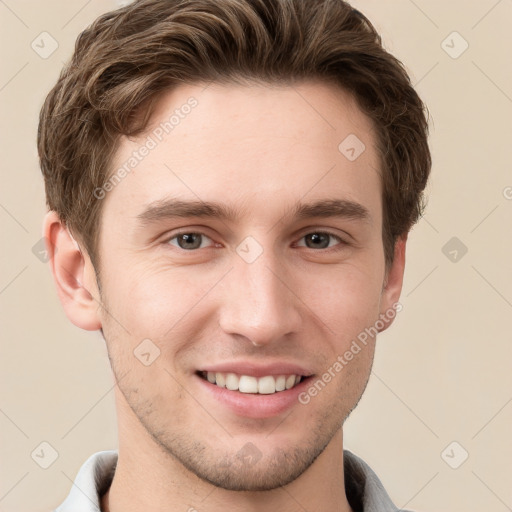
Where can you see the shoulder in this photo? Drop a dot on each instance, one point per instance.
(363, 487)
(91, 482)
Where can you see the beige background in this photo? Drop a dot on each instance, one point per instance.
(442, 372)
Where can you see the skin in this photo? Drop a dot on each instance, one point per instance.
(259, 149)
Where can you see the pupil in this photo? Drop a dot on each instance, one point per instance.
(319, 237)
(189, 239)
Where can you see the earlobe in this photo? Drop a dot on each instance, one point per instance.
(72, 271)
(393, 283)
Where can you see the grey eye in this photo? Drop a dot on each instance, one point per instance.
(188, 241)
(319, 240)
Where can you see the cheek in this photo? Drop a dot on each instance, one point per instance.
(162, 302)
(346, 300)
(157, 300)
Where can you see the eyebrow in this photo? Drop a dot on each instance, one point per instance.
(170, 208)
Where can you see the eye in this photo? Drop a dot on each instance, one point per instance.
(191, 240)
(320, 240)
(188, 241)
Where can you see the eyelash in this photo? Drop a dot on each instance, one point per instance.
(342, 243)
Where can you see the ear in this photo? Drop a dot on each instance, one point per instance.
(389, 304)
(73, 274)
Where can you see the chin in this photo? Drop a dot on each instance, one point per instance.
(264, 474)
(249, 468)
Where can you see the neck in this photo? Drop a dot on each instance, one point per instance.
(149, 479)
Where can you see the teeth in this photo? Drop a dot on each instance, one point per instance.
(281, 383)
(247, 384)
(267, 385)
(232, 381)
(220, 380)
(290, 381)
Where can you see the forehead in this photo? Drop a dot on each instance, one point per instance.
(249, 146)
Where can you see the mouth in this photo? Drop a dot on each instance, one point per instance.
(248, 384)
(251, 390)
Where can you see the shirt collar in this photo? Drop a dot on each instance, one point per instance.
(364, 490)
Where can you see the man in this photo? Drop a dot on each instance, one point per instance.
(230, 186)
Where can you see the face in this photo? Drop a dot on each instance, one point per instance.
(243, 252)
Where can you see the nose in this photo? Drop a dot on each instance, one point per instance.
(259, 302)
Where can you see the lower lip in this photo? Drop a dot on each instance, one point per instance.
(253, 405)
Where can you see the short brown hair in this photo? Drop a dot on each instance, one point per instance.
(127, 57)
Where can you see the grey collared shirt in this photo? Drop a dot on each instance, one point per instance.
(364, 490)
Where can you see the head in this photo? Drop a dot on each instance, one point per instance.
(304, 147)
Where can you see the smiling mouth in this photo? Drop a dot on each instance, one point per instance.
(266, 385)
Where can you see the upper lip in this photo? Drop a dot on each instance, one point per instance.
(258, 369)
